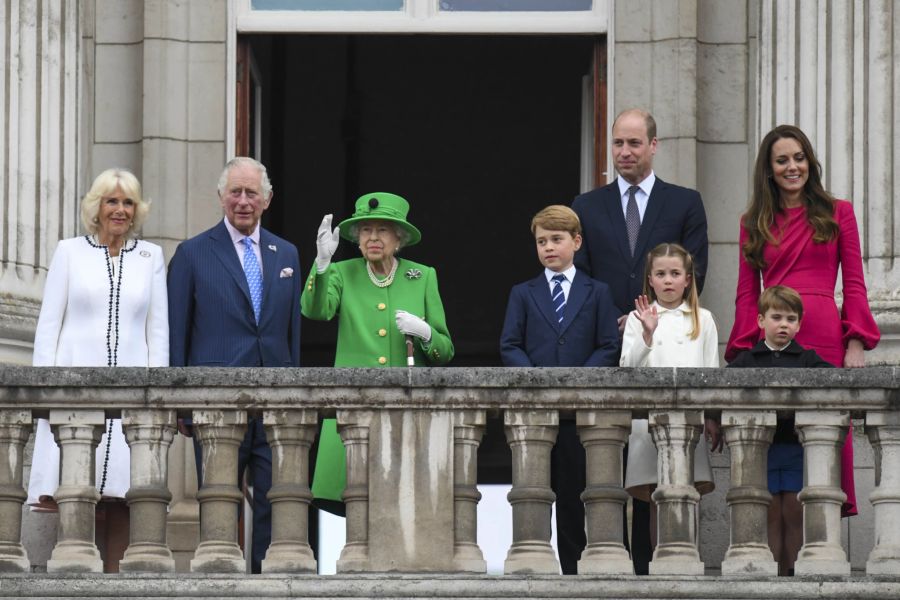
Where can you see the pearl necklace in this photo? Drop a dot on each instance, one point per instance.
(382, 283)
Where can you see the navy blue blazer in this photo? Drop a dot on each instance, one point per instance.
(587, 337)
(211, 321)
(674, 214)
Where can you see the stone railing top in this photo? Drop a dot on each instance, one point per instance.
(492, 388)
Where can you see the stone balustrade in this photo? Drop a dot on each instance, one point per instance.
(411, 439)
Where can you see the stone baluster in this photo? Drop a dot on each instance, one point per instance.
(15, 425)
(531, 435)
(676, 434)
(290, 434)
(748, 435)
(468, 429)
(77, 433)
(220, 433)
(603, 434)
(149, 434)
(354, 428)
(822, 434)
(883, 429)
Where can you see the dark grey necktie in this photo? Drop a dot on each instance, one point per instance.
(632, 218)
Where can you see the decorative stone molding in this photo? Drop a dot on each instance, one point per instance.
(676, 434)
(603, 434)
(290, 434)
(531, 435)
(149, 434)
(220, 433)
(749, 435)
(15, 426)
(822, 434)
(77, 432)
(883, 430)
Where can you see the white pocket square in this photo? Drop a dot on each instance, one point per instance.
(286, 272)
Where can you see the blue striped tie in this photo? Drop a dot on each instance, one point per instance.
(254, 276)
(559, 298)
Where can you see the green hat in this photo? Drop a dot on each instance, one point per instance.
(385, 207)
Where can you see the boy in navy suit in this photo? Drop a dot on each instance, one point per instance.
(562, 318)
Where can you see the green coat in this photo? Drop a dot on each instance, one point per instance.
(368, 336)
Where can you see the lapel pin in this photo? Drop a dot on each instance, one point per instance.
(273, 248)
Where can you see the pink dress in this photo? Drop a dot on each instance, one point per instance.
(811, 269)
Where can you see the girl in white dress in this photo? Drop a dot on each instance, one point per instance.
(104, 305)
(668, 328)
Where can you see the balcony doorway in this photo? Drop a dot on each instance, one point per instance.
(477, 132)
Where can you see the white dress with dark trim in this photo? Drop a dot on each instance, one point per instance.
(98, 311)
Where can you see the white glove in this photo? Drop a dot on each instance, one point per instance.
(326, 244)
(412, 325)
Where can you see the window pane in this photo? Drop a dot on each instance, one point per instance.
(513, 5)
(327, 4)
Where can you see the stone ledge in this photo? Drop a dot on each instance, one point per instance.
(443, 586)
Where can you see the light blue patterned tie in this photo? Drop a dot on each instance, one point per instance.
(559, 298)
(254, 276)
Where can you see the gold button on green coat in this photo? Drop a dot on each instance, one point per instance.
(382, 306)
(382, 332)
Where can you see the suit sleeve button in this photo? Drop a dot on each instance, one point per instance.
(382, 306)
(632, 275)
(382, 332)
(382, 360)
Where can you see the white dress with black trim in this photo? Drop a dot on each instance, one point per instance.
(99, 311)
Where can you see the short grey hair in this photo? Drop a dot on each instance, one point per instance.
(264, 182)
(402, 234)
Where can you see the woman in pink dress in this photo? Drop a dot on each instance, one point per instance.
(796, 234)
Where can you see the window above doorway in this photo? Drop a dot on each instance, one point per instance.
(421, 16)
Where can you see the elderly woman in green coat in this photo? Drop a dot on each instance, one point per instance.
(381, 300)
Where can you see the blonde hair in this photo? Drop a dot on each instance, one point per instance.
(105, 184)
(557, 217)
(690, 292)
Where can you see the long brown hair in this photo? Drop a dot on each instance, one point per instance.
(766, 200)
(690, 292)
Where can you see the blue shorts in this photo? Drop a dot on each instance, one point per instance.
(785, 468)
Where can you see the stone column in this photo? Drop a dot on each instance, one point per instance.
(467, 431)
(603, 434)
(531, 435)
(354, 429)
(822, 434)
(15, 425)
(220, 433)
(748, 435)
(40, 70)
(676, 434)
(149, 434)
(290, 434)
(883, 429)
(77, 433)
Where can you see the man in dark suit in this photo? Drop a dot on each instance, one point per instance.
(234, 301)
(622, 222)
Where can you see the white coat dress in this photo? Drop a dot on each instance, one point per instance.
(97, 313)
(672, 347)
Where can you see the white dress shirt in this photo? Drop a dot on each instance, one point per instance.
(566, 283)
(237, 239)
(642, 196)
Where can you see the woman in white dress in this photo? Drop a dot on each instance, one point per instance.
(104, 305)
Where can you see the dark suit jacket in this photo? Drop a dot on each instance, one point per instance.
(674, 214)
(587, 337)
(211, 321)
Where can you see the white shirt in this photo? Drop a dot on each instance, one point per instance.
(672, 343)
(642, 196)
(566, 283)
(238, 239)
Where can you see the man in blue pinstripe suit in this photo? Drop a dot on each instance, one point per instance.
(234, 301)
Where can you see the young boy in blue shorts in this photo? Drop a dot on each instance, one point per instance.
(780, 311)
(562, 318)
